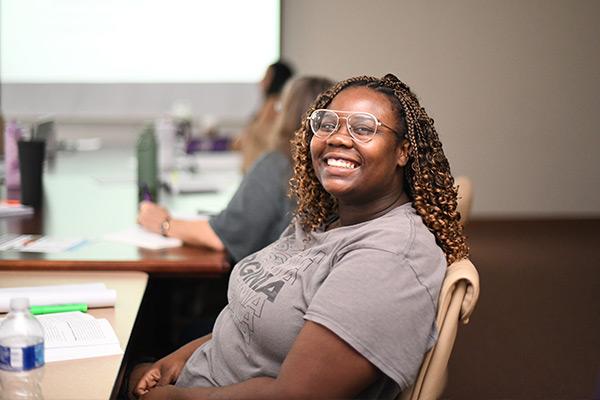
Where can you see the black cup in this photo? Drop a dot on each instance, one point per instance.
(31, 165)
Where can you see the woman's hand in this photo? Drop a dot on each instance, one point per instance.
(163, 372)
(168, 392)
(151, 216)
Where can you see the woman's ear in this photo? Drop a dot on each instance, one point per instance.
(402, 153)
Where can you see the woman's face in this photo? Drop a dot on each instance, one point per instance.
(361, 173)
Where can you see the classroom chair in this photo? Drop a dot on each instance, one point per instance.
(465, 198)
(458, 296)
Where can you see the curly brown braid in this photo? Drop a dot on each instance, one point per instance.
(428, 180)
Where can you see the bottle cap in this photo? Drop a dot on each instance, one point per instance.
(19, 303)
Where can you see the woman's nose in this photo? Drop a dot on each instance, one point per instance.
(341, 136)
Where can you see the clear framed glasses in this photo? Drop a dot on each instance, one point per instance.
(362, 126)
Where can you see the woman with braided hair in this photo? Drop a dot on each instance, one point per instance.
(343, 304)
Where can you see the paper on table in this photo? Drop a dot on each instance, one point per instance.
(46, 288)
(10, 240)
(93, 295)
(37, 243)
(186, 216)
(140, 237)
(47, 244)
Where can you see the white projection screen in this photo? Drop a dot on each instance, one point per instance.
(93, 50)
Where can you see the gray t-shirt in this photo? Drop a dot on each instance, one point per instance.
(374, 284)
(260, 208)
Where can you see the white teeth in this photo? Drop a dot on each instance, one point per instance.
(333, 162)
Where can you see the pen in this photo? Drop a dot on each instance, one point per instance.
(37, 310)
(205, 212)
(146, 193)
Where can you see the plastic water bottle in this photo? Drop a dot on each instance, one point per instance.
(21, 353)
(147, 171)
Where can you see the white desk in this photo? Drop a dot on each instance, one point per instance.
(91, 378)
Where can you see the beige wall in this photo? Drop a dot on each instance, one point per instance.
(514, 86)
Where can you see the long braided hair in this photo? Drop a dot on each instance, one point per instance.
(427, 176)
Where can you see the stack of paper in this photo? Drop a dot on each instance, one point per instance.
(92, 294)
(37, 243)
(140, 237)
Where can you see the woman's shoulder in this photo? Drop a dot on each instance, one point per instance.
(272, 160)
(271, 167)
(399, 243)
(275, 157)
(401, 232)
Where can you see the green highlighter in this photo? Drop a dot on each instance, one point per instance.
(37, 310)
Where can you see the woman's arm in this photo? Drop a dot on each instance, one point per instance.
(196, 233)
(320, 365)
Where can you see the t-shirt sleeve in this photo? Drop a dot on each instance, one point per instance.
(249, 221)
(375, 302)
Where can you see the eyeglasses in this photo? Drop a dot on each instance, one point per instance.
(362, 126)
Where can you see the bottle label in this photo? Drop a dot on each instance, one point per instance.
(22, 358)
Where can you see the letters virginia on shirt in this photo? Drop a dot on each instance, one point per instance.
(254, 275)
(261, 279)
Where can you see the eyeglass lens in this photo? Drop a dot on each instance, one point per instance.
(361, 126)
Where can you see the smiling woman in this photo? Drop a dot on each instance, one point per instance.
(362, 170)
(403, 132)
(343, 304)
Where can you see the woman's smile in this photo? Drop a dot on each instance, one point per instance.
(336, 162)
(353, 171)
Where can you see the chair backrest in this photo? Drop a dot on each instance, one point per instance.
(458, 296)
(465, 198)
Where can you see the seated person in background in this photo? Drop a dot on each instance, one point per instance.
(253, 139)
(343, 304)
(261, 208)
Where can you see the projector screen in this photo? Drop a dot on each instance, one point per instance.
(137, 41)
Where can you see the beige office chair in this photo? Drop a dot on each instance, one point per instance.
(458, 296)
(465, 198)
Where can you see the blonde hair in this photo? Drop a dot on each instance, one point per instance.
(297, 95)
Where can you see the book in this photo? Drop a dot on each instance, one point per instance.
(75, 335)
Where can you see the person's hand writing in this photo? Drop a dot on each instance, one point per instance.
(151, 216)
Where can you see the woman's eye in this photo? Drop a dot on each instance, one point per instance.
(327, 126)
(363, 130)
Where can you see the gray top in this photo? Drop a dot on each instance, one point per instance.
(374, 284)
(260, 208)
